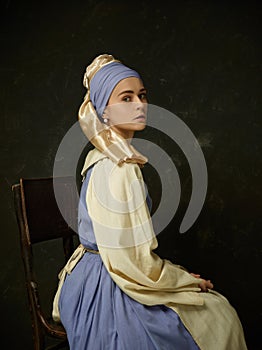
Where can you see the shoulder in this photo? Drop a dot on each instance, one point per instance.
(119, 180)
(92, 158)
(106, 167)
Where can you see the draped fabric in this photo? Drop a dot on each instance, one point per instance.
(127, 297)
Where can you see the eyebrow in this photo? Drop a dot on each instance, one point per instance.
(131, 91)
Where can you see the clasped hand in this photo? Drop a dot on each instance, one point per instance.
(204, 284)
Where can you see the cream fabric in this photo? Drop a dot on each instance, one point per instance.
(126, 241)
(136, 269)
(67, 269)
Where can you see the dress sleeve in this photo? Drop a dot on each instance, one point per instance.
(116, 200)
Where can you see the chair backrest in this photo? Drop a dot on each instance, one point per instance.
(40, 219)
(40, 211)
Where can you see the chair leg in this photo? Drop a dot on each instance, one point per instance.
(38, 344)
(38, 337)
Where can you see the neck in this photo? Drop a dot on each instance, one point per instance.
(126, 134)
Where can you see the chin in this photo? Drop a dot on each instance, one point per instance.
(139, 127)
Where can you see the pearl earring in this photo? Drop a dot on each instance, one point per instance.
(105, 120)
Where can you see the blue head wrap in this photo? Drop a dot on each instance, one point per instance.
(104, 82)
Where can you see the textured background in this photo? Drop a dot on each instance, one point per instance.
(200, 60)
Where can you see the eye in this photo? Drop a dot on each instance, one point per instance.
(126, 99)
(143, 97)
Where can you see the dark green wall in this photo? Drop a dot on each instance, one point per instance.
(199, 59)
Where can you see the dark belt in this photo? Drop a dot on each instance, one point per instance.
(91, 250)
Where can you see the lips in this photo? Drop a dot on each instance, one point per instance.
(140, 117)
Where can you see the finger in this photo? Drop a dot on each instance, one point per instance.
(210, 285)
(195, 275)
(202, 285)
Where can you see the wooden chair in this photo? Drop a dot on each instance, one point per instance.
(39, 220)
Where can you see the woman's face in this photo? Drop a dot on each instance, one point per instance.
(127, 107)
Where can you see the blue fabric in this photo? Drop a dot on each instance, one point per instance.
(98, 315)
(104, 81)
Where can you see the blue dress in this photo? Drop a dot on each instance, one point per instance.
(98, 315)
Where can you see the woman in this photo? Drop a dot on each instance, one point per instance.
(115, 292)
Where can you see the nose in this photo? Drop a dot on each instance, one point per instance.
(139, 104)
